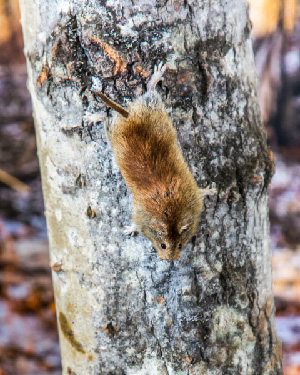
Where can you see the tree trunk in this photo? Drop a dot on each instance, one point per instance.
(122, 310)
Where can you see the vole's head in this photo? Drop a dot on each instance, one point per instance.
(170, 238)
(170, 219)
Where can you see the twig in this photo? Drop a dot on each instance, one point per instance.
(13, 182)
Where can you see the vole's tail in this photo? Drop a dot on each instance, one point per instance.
(110, 103)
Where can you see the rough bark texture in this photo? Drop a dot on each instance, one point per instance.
(122, 310)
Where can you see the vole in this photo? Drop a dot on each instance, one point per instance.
(167, 203)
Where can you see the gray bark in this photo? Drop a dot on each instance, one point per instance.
(121, 310)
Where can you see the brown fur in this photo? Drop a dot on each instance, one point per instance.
(167, 202)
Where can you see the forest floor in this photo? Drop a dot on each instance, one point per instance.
(285, 245)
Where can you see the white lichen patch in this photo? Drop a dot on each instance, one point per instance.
(31, 17)
(127, 29)
(229, 63)
(232, 338)
(74, 239)
(76, 304)
(133, 250)
(151, 366)
(203, 369)
(58, 214)
(65, 7)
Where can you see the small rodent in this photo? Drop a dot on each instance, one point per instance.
(167, 202)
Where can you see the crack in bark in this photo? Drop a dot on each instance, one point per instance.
(160, 353)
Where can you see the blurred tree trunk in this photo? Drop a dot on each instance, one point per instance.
(121, 310)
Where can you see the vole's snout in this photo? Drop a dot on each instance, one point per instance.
(174, 257)
(170, 254)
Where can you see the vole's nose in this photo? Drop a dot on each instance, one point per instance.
(173, 256)
(170, 256)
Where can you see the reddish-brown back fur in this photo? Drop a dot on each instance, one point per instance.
(146, 150)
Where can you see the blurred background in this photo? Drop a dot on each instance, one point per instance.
(28, 336)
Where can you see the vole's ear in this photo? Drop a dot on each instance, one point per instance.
(158, 226)
(185, 224)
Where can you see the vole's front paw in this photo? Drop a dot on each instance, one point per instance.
(131, 230)
(209, 191)
(91, 119)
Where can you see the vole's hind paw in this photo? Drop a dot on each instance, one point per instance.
(160, 69)
(157, 76)
(131, 230)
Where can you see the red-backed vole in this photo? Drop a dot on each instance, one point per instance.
(167, 202)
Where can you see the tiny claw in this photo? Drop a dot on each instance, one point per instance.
(91, 119)
(131, 230)
(209, 191)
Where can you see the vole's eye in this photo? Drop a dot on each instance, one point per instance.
(179, 246)
(163, 246)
